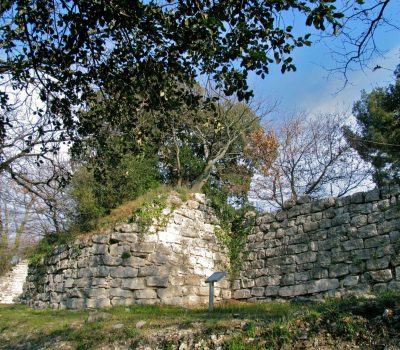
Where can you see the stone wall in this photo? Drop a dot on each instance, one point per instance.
(329, 247)
(167, 265)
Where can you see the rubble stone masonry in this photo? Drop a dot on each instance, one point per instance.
(330, 247)
(168, 264)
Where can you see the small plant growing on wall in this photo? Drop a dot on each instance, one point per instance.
(126, 255)
(151, 212)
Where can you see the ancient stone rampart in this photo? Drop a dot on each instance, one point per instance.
(168, 264)
(329, 247)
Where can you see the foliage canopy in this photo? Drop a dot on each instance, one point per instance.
(378, 141)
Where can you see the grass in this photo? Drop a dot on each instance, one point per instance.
(270, 325)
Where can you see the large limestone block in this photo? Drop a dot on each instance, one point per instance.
(380, 276)
(291, 291)
(157, 281)
(145, 294)
(123, 272)
(242, 294)
(322, 285)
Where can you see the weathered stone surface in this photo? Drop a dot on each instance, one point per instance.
(322, 285)
(157, 281)
(145, 294)
(378, 264)
(291, 291)
(377, 241)
(353, 244)
(123, 266)
(350, 281)
(241, 294)
(380, 276)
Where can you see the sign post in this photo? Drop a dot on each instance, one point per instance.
(215, 277)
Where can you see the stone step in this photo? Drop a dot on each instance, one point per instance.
(11, 284)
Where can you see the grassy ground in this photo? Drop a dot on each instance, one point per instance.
(351, 323)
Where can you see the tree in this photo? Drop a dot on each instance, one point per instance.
(378, 138)
(313, 159)
(72, 49)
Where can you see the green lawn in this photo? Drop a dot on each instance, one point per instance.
(273, 325)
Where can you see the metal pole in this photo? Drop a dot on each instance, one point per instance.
(211, 297)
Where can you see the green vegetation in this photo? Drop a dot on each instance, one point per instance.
(333, 324)
(236, 223)
(377, 141)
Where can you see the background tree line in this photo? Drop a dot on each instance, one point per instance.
(117, 83)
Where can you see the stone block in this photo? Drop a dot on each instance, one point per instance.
(394, 236)
(242, 294)
(302, 276)
(393, 286)
(367, 231)
(102, 239)
(322, 285)
(337, 270)
(271, 291)
(123, 272)
(378, 264)
(362, 254)
(372, 196)
(99, 249)
(397, 270)
(310, 226)
(375, 217)
(257, 291)
(247, 283)
(122, 301)
(150, 271)
(157, 281)
(158, 258)
(340, 219)
(380, 276)
(109, 260)
(117, 237)
(307, 257)
(75, 303)
(338, 256)
(121, 293)
(359, 220)
(377, 241)
(170, 292)
(97, 303)
(287, 279)
(379, 288)
(350, 281)
(317, 205)
(297, 248)
(324, 258)
(291, 291)
(357, 198)
(319, 273)
(127, 228)
(328, 244)
(134, 261)
(135, 283)
(268, 281)
(145, 294)
(353, 244)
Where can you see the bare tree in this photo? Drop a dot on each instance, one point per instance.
(356, 42)
(313, 159)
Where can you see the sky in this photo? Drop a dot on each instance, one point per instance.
(311, 88)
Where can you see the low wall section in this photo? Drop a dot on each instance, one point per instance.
(329, 247)
(167, 265)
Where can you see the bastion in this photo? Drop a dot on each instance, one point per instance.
(167, 264)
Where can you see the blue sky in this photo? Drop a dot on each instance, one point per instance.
(311, 88)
